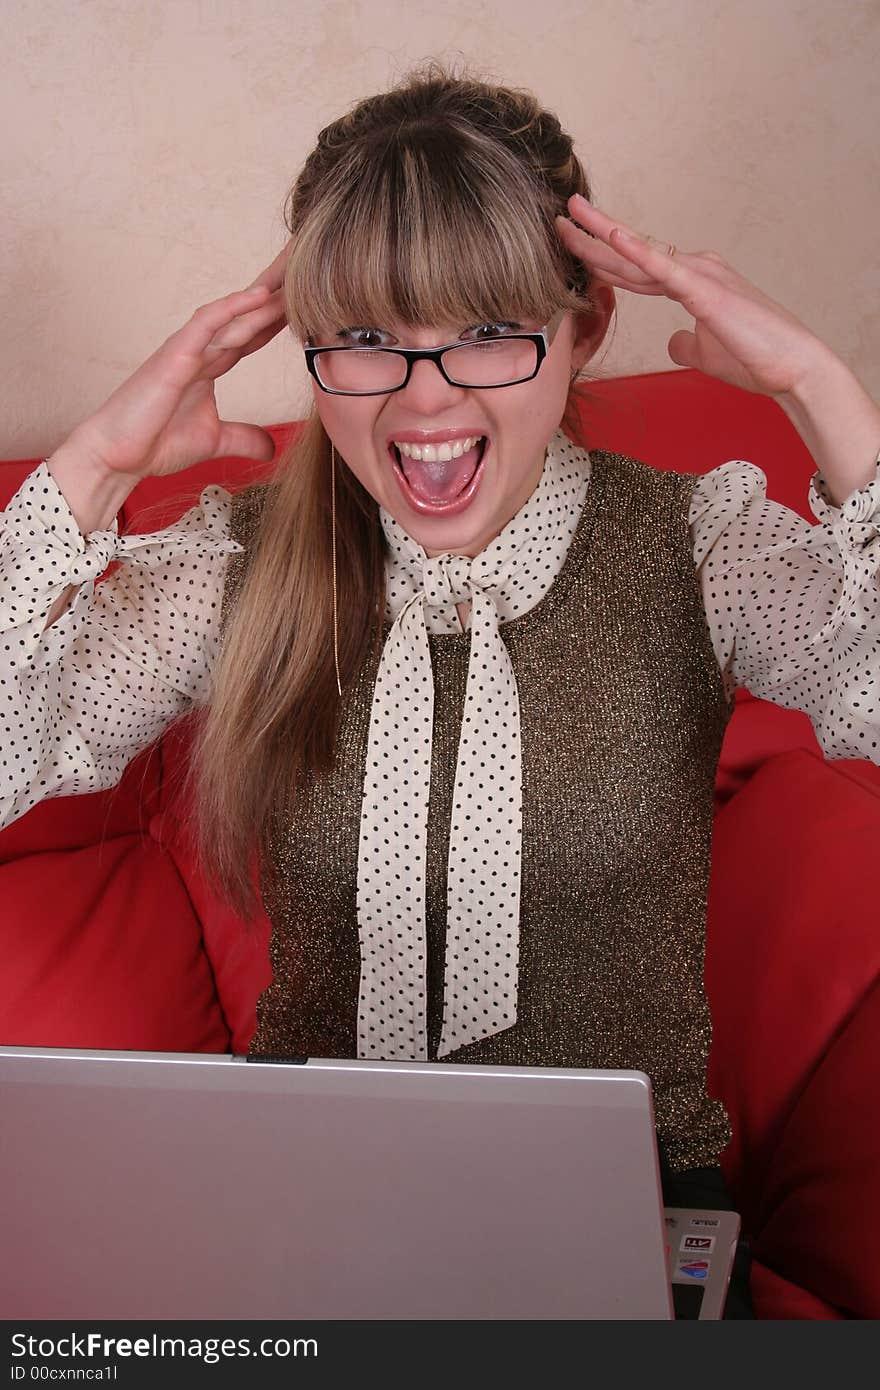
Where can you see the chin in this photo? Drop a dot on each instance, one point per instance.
(463, 538)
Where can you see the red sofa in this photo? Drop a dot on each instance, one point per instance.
(110, 938)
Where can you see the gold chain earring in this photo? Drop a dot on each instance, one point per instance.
(335, 597)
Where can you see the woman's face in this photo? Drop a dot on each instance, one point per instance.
(446, 505)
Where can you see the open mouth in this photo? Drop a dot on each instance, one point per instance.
(440, 486)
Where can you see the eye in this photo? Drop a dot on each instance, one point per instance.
(353, 337)
(492, 330)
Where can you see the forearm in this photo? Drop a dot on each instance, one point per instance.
(840, 425)
(94, 494)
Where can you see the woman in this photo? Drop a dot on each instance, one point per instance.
(460, 688)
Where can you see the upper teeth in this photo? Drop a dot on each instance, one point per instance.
(438, 453)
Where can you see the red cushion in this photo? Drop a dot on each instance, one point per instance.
(758, 730)
(158, 502)
(792, 949)
(66, 822)
(684, 420)
(12, 474)
(183, 488)
(102, 949)
(238, 951)
(820, 1214)
(777, 1298)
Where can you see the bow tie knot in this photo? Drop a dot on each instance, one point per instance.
(447, 579)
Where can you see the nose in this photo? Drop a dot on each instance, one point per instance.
(428, 391)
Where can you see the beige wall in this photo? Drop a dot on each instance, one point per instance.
(149, 145)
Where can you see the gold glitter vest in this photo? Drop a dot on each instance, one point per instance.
(623, 711)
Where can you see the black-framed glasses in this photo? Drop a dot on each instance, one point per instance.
(484, 364)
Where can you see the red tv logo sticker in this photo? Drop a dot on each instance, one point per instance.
(703, 1244)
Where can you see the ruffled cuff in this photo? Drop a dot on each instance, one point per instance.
(855, 527)
(861, 505)
(44, 550)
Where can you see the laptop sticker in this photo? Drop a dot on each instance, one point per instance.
(704, 1244)
(695, 1269)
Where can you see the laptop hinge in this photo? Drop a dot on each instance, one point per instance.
(272, 1057)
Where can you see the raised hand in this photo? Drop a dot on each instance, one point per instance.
(740, 335)
(164, 418)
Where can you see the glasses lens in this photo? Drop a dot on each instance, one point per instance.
(493, 362)
(360, 369)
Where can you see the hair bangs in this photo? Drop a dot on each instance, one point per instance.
(434, 230)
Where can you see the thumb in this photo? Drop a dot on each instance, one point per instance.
(682, 348)
(240, 440)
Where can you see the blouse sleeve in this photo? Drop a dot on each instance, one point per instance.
(794, 608)
(129, 655)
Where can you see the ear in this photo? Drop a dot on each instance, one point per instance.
(590, 329)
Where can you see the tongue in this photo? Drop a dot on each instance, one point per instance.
(440, 482)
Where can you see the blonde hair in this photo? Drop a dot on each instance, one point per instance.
(430, 203)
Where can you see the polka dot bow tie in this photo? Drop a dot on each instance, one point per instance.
(483, 880)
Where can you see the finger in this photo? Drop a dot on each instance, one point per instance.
(239, 331)
(680, 280)
(614, 267)
(597, 256)
(227, 357)
(599, 227)
(196, 334)
(595, 221)
(273, 275)
(681, 277)
(268, 333)
(621, 282)
(603, 231)
(184, 358)
(221, 359)
(703, 293)
(682, 348)
(707, 263)
(241, 440)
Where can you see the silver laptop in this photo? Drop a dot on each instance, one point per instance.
(175, 1186)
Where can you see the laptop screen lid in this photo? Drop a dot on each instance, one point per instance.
(159, 1186)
